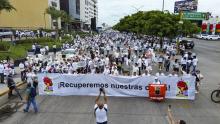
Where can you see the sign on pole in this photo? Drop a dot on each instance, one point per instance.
(194, 16)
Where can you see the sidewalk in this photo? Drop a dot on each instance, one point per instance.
(4, 88)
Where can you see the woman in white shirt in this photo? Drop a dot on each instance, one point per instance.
(29, 76)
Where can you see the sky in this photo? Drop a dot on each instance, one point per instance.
(111, 11)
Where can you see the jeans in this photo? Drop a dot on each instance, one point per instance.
(194, 68)
(16, 90)
(31, 100)
(22, 75)
(2, 77)
(102, 122)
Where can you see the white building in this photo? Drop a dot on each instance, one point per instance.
(88, 10)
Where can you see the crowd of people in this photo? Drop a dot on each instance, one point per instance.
(114, 53)
(109, 53)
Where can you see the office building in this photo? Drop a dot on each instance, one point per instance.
(84, 12)
(29, 14)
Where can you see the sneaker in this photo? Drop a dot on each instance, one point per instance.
(196, 92)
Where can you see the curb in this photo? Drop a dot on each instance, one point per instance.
(5, 89)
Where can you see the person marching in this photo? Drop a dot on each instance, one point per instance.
(30, 97)
(101, 109)
(12, 86)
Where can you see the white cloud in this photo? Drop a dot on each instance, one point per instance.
(110, 11)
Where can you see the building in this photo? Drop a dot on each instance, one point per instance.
(84, 12)
(72, 7)
(88, 13)
(29, 14)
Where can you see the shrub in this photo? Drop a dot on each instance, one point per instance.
(38, 41)
(4, 46)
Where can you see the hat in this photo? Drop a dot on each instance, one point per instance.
(156, 78)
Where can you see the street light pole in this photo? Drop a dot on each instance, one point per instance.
(163, 6)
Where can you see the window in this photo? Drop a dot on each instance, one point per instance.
(54, 4)
(78, 7)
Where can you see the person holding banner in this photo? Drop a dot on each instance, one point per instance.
(156, 81)
(101, 109)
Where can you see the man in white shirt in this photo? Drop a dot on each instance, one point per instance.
(54, 49)
(160, 74)
(1, 72)
(47, 49)
(139, 62)
(156, 81)
(194, 62)
(183, 63)
(101, 109)
(21, 67)
(106, 70)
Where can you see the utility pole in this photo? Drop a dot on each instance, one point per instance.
(163, 6)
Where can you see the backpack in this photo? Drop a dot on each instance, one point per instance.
(33, 92)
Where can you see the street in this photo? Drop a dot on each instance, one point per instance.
(79, 109)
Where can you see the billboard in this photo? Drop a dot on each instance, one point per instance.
(186, 5)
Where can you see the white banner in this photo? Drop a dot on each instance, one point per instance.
(123, 86)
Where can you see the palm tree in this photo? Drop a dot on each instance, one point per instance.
(5, 5)
(55, 15)
(66, 18)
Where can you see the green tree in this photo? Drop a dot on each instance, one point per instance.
(156, 23)
(66, 18)
(55, 15)
(189, 28)
(5, 5)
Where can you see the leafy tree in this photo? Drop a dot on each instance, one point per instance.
(156, 23)
(66, 18)
(54, 13)
(189, 28)
(5, 5)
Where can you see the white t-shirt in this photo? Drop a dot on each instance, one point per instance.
(21, 66)
(139, 62)
(101, 114)
(1, 68)
(7, 71)
(195, 61)
(106, 71)
(159, 74)
(135, 69)
(183, 61)
(33, 47)
(135, 47)
(30, 77)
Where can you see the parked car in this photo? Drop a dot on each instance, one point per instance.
(68, 53)
(198, 36)
(213, 37)
(204, 36)
(5, 33)
(189, 44)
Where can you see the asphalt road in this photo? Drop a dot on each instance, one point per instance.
(79, 110)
